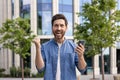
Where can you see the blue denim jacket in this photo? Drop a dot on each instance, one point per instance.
(68, 60)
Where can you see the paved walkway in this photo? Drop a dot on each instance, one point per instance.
(82, 77)
(88, 77)
(21, 78)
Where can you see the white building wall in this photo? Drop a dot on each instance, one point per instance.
(33, 18)
(96, 65)
(76, 20)
(113, 68)
(55, 6)
(1, 14)
(5, 54)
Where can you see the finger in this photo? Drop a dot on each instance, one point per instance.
(36, 40)
(79, 52)
(80, 48)
(81, 45)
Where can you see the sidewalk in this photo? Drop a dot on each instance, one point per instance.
(21, 78)
(88, 77)
(82, 77)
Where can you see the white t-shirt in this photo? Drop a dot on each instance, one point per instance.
(58, 73)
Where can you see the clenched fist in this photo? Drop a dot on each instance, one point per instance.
(36, 40)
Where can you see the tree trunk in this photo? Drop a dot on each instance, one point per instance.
(102, 64)
(22, 69)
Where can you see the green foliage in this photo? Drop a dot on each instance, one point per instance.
(2, 74)
(13, 72)
(38, 75)
(16, 72)
(16, 35)
(99, 28)
(27, 72)
(2, 70)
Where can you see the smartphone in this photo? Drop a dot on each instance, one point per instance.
(81, 42)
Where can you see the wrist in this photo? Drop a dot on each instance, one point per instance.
(37, 45)
(80, 56)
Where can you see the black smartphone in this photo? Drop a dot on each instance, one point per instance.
(81, 42)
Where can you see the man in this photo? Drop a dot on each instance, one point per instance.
(59, 56)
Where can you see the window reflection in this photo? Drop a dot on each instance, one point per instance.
(68, 2)
(44, 8)
(25, 9)
(12, 8)
(44, 1)
(44, 22)
(65, 7)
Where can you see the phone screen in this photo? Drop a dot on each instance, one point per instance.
(81, 42)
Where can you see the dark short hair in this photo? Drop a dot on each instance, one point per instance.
(59, 16)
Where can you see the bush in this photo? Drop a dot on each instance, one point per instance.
(2, 70)
(27, 72)
(19, 72)
(13, 72)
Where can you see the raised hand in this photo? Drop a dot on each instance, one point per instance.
(36, 40)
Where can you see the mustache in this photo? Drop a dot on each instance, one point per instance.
(58, 31)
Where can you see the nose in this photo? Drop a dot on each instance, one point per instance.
(59, 27)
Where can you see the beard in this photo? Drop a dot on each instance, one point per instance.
(59, 34)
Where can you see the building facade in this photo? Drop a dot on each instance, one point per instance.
(40, 12)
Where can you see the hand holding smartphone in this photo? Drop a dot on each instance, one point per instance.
(81, 42)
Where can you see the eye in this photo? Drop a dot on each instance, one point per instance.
(61, 25)
(56, 25)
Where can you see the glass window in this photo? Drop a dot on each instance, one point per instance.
(44, 1)
(68, 2)
(25, 9)
(118, 61)
(44, 13)
(66, 8)
(12, 8)
(45, 18)
(118, 45)
(44, 7)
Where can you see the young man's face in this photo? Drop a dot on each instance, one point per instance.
(59, 28)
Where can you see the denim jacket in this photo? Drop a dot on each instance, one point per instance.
(68, 60)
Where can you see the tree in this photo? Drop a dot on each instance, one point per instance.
(16, 35)
(100, 28)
